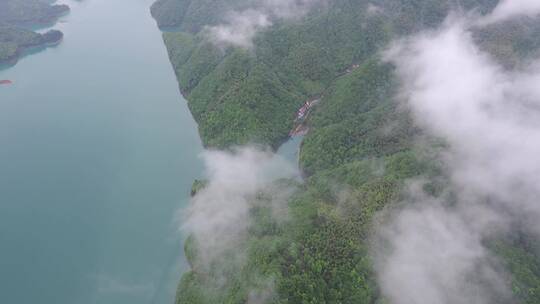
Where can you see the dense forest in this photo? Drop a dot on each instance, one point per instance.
(17, 17)
(240, 95)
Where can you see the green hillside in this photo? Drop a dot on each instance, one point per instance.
(13, 41)
(16, 17)
(238, 96)
(30, 12)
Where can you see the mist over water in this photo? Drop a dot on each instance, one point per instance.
(98, 153)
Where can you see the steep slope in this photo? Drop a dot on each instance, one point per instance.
(360, 152)
(292, 63)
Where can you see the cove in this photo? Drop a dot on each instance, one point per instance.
(98, 153)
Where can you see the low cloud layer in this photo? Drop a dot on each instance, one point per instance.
(429, 252)
(514, 8)
(218, 216)
(490, 118)
(240, 27)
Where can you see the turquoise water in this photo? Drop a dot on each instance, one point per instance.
(97, 154)
(290, 150)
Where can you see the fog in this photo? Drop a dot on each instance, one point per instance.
(432, 250)
(514, 8)
(218, 216)
(240, 27)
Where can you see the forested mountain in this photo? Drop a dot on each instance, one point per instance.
(249, 92)
(20, 12)
(16, 19)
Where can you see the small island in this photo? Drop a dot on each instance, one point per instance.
(16, 19)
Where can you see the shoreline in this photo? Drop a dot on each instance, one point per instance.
(25, 50)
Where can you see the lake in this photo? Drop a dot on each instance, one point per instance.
(98, 153)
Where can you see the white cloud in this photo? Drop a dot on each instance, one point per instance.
(240, 27)
(507, 9)
(432, 253)
(490, 118)
(218, 216)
